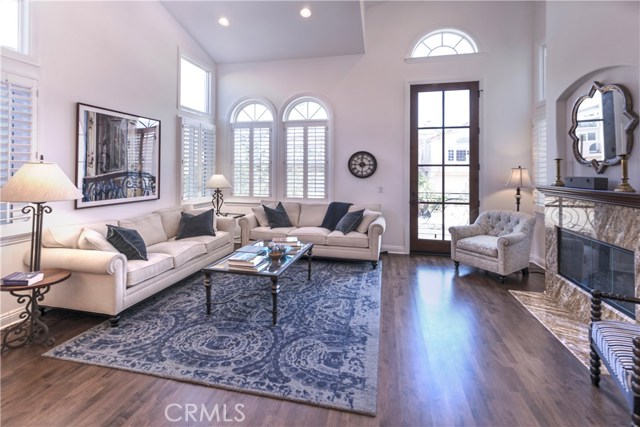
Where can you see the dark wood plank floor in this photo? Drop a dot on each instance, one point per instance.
(455, 351)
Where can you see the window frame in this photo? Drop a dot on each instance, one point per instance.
(209, 92)
(27, 51)
(464, 34)
(234, 124)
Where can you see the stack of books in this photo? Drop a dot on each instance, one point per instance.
(248, 261)
(23, 279)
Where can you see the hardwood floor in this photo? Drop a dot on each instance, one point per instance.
(455, 351)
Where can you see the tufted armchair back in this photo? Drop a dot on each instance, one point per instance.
(499, 223)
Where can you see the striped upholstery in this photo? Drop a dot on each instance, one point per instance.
(614, 341)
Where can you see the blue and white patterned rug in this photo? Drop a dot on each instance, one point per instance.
(324, 350)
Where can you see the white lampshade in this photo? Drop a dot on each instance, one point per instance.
(519, 178)
(218, 181)
(38, 182)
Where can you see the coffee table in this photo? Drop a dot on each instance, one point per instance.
(274, 270)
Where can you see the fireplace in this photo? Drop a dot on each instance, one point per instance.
(595, 265)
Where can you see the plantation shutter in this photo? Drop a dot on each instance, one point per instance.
(17, 135)
(198, 158)
(296, 171)
(539, 157)
(306, 161)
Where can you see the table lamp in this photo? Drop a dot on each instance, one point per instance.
(519, 178)
(217, 182)
(38, 183)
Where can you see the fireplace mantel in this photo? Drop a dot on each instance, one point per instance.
(617, 198)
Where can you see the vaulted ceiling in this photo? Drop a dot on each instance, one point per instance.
(269, 30)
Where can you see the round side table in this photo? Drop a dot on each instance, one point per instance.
(31, 329)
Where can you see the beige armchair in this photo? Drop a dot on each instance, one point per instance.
(498, 241)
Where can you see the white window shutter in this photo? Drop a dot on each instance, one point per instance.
(198, 158)
(539, 157)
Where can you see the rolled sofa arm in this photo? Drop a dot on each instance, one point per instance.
(377, 227)
(511, 239)
(226, 224)
(247, 223)
(82, 260)
(464, 231)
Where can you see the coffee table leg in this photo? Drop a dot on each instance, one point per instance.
(207, 288)
(274, 298)
(309, 256)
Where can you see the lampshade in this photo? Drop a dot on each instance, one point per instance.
(519, 178)
(218, 181)
(38, 182)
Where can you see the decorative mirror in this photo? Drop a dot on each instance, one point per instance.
(602, 124)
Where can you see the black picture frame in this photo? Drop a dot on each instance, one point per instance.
(117, 158)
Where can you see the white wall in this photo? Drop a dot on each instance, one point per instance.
(369, 97)
(116, 55)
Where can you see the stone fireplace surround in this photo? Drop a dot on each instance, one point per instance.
(607, 216)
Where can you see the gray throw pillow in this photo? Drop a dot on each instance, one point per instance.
(350, 221)
(127, 241)
(277, 217)
(335, 212)
(196, 225)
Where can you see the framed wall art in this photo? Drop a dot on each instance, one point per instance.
(118, 157)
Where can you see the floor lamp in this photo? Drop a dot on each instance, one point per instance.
(519, 178)
(217, 182)
(38, 183)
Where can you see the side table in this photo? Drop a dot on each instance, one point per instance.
(31, 329)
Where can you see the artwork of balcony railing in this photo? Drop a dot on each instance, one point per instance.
(118, 185)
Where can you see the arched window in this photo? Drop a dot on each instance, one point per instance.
(306, 125)
(444, 42)
(252, 124)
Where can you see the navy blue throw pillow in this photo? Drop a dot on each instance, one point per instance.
(277, 217)
(127, 241)
(196, 225)
(334, 214)
(350, 221)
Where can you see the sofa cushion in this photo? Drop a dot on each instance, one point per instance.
(212, 242)
(315, 235)
(196, 225)
(349, 222)
(261, 216)
(181, 250)
(139, 271)
(127, 241)
(335, 212)
(483, 244)
(170, 218)
(368, 216)
(67, 236)
(352, 239)
(149, 226)
(312, 214)
(94, 241)
(268, 233)
(278, 217)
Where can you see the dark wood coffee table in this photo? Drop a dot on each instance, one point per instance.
(32, 330)
(273, 271)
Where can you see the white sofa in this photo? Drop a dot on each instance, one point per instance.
(103, 280)
(361, 244)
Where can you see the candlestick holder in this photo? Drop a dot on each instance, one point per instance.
(624, 181)
(558, 182)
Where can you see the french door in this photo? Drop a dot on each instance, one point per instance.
(444, 162)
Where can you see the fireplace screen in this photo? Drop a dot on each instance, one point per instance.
(592, 264)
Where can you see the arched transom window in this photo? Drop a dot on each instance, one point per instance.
(252, 124)
(444, 42)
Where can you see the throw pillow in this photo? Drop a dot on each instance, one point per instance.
(277, 217)
(196, 225)
(127, 242)
(261, 216)
(349, 222)
(367, 218)
(335, 212)
(94, 241)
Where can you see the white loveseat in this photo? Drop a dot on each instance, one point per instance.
(104, 281)
(361, 244)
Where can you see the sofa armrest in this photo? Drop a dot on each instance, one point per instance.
(463, 231)
(226, 224)
(377, 227)
(82, 260)
(247, 223)
(511, 239)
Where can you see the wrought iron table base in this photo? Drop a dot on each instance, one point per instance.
(31, 330)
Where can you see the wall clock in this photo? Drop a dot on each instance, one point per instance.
(362, 164)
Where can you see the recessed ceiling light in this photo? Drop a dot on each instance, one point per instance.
(223, 21)
(305, 12)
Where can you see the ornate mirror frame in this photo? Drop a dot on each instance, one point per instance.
(627, 115)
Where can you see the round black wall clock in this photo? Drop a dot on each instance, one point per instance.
(362, 164)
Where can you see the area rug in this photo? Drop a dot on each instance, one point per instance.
(324, 350)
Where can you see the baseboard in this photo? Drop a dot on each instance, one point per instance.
(10, 317)
(393, 249)
(538, 261)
